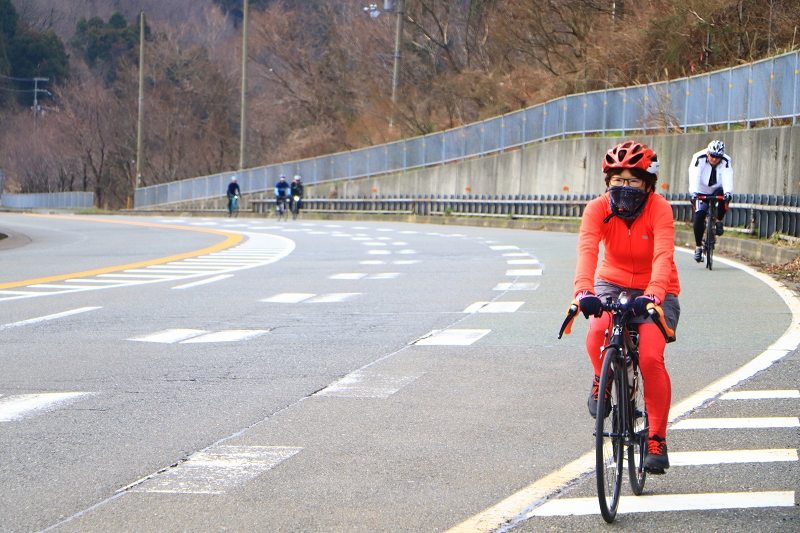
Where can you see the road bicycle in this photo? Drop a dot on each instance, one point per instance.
(233, 208)
(710, 236)
(621, 429)
(280, 209)
(295, 206)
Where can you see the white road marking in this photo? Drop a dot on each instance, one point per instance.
(333, 297)
(374, 243)
(516, 287)
(409, 232)
(203, 281)
(384, 275)
(739, 423)
(109, 282)
(499, 247)
(524, 272)
(399, 243)
(474, 307)
(332, 226)
(317, 232)
(522, 261)
(159, 270)
(217, 469)
(385, 229)
(289, 297)
(513, 508)
(517, 254)
(348, 275)
(406, 252)
(362, 238)
(372, 262)
(383, 238)
(731, 456)
(54, 286)
(379, 252)
(406, 262)
(48, 317)
(669, 502)
(760, 394)
(231, 335)
(362, 384)
(493, 307)
(17, 407)
(452, 337)
(170, 336)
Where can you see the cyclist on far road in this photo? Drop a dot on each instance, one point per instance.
(233, 190)
(297, 190)
(281, 190)
(711, 174)
(636, 228)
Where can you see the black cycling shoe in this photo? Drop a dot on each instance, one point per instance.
(592, 402)
(657, 461)
(720, 229)
(698, 255)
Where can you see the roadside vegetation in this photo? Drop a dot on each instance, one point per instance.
(320, 74)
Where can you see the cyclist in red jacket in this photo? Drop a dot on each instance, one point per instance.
(636, 228)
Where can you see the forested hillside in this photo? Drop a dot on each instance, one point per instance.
(320, 74)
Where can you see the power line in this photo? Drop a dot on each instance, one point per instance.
(29, 80)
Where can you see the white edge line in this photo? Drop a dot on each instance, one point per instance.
(520, 505)
(204, 281)
(48, 317)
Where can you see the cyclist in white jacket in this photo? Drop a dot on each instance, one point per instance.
(710, 173)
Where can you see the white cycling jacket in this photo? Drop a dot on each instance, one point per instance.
(700, 173)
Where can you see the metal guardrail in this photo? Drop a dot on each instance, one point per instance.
(65, 200)
(766, 90)
(763, 215)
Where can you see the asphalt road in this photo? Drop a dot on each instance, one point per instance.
(274, 384)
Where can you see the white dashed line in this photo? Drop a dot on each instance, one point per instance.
(362, 384)
(760, 394)
(204, 281)
(232, 335)
(289, 297)
(452, 337)
(522, 262)
(348, 275)
(739, 423)
(731, 457)
(516, 287)
(384, 275)
(14, 408)
(333, 297)
(669, 502)
(379, 252)
(372, 262)
(499, 247)
(48, 317)
(217, 469)
(524, 272)
(170, 336)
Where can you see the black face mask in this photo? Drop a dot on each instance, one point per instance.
(627, 203)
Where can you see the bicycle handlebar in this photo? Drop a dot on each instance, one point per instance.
(709, 197)
(654, 313)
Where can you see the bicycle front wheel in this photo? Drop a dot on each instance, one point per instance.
(637, 448)
(609, 436)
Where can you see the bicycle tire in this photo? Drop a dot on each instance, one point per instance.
(295, 209)
(609, 437)
(710, 235)
(637, 448)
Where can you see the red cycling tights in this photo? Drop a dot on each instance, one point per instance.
(657, 390)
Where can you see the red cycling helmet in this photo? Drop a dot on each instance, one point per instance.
(631, 154)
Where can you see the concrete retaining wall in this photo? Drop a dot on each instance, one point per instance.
(765, 161)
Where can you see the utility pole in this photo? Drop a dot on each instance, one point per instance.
(243, 121)
(141, 104)
(36, 98)
(400, 10)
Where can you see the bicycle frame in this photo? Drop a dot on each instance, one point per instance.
(710, 237)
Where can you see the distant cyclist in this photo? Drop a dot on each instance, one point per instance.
(297, 191)
(233, 190)
(635, 226)
(711, 174)
(282, 191)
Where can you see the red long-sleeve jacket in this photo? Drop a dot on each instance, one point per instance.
(639, 257)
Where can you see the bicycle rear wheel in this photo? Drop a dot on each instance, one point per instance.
(637, 448)
(609, 437)
(710, 236)
(295, 208)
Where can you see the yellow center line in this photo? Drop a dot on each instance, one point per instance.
(232, 239)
